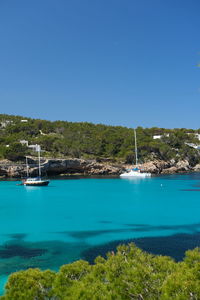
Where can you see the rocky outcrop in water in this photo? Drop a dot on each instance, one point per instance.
(197, 168)
(89, 167)
(155, 166)
(166, 167)
(180, 166)
(58, 167)
(71, 166)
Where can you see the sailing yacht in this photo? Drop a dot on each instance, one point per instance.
(136, 172)
(36, 181)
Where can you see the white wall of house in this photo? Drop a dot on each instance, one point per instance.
(156, 137)
(24, 142)
(193, 145)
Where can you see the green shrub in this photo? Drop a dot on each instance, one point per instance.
(130, 273)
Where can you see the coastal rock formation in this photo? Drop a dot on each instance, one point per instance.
(170, 170)
(8, 169)
(58, 167)
(155, 167)
(183, 165)
(89, 167)
(180, 166)
(197, 168)
(71, 166)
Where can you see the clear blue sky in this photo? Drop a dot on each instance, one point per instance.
(118, 62)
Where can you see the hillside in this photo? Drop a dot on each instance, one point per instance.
(62, 139)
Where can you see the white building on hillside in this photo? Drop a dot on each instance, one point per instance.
(193, 146)
(5, 123)
(33, 147)
(197, 135)
(156, 137)
(24, 142)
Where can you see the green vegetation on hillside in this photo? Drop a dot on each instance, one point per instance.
(128, 274)
(86, 140)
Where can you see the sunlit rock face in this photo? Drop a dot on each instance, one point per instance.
(90, 167)
(183, 165)
(59, 166)
(197, 168)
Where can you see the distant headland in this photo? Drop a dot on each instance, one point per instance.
(93, 149)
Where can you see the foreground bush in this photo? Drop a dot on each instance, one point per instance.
(128, 274)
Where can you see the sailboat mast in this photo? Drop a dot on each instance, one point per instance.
(136, 155)
(27, 173)
(39, 171)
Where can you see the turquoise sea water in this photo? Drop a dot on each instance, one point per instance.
(81, 218)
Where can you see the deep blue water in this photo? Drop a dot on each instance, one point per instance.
(81, 218)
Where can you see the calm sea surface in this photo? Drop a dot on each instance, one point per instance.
(81, 218)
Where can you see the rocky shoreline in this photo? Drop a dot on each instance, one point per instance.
(74, 166)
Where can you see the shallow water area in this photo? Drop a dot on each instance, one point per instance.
(46, 227)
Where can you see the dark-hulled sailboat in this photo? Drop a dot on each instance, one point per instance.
(36, 181)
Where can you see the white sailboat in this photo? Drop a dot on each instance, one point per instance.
(136, 172)
(36, 181)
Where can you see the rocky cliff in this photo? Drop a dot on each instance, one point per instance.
(58, 167)
(89, 167)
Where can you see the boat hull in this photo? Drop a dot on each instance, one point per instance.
(134, 174)
(39, 183)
